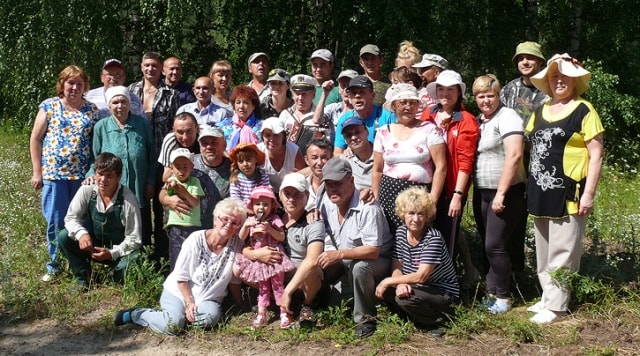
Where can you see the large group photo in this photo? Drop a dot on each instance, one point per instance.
(394, 193)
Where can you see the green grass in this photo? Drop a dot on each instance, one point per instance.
(606, 290)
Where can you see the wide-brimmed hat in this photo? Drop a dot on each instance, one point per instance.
(263, 191)
(446, 79)
(401, 91)
(429, 60)
(115, 91)
(531, 48)
(566, 65)
(243, 146)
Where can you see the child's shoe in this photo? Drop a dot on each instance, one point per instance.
(259, 322)
(500, 306)
(285, 321)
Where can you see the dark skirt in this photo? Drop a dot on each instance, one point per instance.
(389, 190)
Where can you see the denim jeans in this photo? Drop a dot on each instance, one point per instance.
(172, 319)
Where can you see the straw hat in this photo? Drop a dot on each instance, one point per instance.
(566, 65)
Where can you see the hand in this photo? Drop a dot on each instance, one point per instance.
(285, 300)
(178, 205)
(313, 215)
(268, 255)
(327, 86)
(497, 205)
(403, 291)
(89, 181)
(366, 195)
(36, 181)
(328, 258)
(455, 207)
(347, 152)
(190, 312)
(381, 288)
(85, 243)
(101, 254)
(586, 204)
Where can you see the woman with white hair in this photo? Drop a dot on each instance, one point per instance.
(129, 137)
(566, 159)
(407, 153)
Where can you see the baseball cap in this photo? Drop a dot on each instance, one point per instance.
(303, 82)
(352, 121)
(360, 81)
(347, 73)
(323, 54)
(429, 60)
(180, 152)
(209, 131)
(336, 169)
(370, 48)
(279, 75)
(255, 56)
(275, 124)
(112, 62)
(295, 180)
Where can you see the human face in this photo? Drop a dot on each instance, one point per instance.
(321, 69)
(221, 80)
(150, 69)
(107, 182)
(259, 67)
(448, 96)
(528, 65)
(340, 191)
(371, 64)
(244, 108)
(262, 205)
(293, 200)
(429, 74)
(272, 141)
(202, 91)
(562, 87)
(186, 132)
(119, 107)
(356, 136)
(361, 98)
(415, 220)
(74, 88)
(303, 99)
(488, 102)
(112, 76)
(172, 70)
(278, 88)
(247, 165)
(181, 168)
(405, 109)
(315, 158)
(343, 83)
(227, 225)
(212, 150)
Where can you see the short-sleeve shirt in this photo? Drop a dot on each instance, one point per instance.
(193, 217)
(219, 175)
(408, 159)
(210, 116)
(491, 153)
(302, 234)
(378, 118)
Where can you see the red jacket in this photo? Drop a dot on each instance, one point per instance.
(462, 141)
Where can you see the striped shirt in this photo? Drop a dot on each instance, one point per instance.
(430, 250)
(243, 188)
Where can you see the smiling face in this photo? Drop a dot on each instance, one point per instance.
(150, 68)
(356, 137)
(278, 88)
(172, 70)
(528, 65)
(321, 69)
(112, 76)
(202, 89)
(221, 80)
(271, 140)
(316, 158)
(448, 96)
(562, 87)
(74, 88)
(186, 131)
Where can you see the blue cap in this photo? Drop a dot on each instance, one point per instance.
(351, 122)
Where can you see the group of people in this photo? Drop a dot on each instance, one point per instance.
(317, 191)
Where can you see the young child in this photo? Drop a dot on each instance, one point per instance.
(188, 188)
(245, 171)
(265, 228)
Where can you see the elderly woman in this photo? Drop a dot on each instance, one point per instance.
(278, 99)
(60, 148)
(129, 137)
(245, 124)
(221, 74)
(194, 291)
(566, 159)
(405, 153)
(282, 156)
(498, 194)
(460, 131)
(423, 281)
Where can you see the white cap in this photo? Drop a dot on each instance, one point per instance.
(179, 152)
(295, 180)
(275, 124)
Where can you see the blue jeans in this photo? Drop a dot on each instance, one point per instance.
(56, 196)
(172, 318)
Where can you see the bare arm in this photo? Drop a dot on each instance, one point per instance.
(420, 276)
(35, 147)
(514, 150)
(439, 158)
(327, 86)
(364, 252)
(595, 147)
(376, 174)
(190, 308)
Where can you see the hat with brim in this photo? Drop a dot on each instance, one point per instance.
(336, 169)
(112, 62)
(352, 121)
(178, 153)
(263, 191)
(446, 79)
(303, 82)
(530, 48)
(323, 54)
(401, 91)
(347, 73)
(278, 75)
(567, 66)
(274, 123)
(209, 131)
(429, 60)
(243, 146)
(296, 181)
(116, 91)
(255, 56)
(371, 49)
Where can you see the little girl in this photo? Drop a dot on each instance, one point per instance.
(245, 171)
(265, 228)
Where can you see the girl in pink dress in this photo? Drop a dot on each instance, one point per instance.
(265, 228)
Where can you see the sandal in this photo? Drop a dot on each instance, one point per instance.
(259, 322)
(307, 316)
(285, 321)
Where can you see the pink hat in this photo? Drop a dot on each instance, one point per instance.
(263, 191)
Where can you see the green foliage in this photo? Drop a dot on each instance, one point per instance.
(143, 281)
(585, 289)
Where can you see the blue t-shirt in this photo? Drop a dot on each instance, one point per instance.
(379, 117)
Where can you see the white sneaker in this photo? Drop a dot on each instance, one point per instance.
(546, 316)
(536, 308)
(48, 277)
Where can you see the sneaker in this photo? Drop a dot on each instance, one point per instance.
(546, 316)
(500, 306)
(365, 329)
(536, 308)
(285, 321)
(259, 322)
(48, 277)
(123, 317)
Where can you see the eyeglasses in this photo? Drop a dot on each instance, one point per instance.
(225, 220)
(424, 69)
(407, 103)
(109, 75)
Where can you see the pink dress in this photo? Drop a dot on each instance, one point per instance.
(256, 271)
